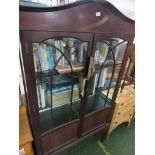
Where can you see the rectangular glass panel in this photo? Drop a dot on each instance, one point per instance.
(59, 67)
(108, 59)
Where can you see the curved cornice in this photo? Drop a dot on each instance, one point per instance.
(71, 5)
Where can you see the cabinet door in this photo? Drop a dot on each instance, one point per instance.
(55, 65)
(108, 56)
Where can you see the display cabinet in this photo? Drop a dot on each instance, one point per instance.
(72, 56)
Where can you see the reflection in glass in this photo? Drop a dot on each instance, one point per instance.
(59, 67)
(108, 59)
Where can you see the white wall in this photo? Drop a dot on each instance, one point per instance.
(127, 7)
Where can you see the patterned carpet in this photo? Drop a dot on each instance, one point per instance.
(120, 142)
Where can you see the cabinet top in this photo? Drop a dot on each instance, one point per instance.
(83, 16)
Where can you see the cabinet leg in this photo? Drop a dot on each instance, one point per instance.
(104, 135)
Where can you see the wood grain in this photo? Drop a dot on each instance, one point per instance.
(124, 109)
(82, 18)
(27, 149)
(25, 135)
(77, 21)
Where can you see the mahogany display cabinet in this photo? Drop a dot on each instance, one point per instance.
(72, 56)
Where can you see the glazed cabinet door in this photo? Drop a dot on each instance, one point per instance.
(108, 58)
(55, 65)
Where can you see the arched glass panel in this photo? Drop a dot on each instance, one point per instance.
(59, 67)
(108, 59)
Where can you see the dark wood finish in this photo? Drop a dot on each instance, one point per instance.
(32, 107)
(27, 38)
(95, 120)
(79, 21)
(102, 129)
(59, 137)
(81, 17)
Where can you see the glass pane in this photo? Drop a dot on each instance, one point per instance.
(59, 67)
(108, 59)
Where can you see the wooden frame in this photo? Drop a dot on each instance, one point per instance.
(27, 38)
(36, 24)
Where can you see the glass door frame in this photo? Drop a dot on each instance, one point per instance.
(99, 38)
(27, 38)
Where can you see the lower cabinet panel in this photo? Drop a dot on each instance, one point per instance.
(59, 137)
(95, 120)
(65, 134)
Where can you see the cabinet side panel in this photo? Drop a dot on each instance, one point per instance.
(30, 81)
